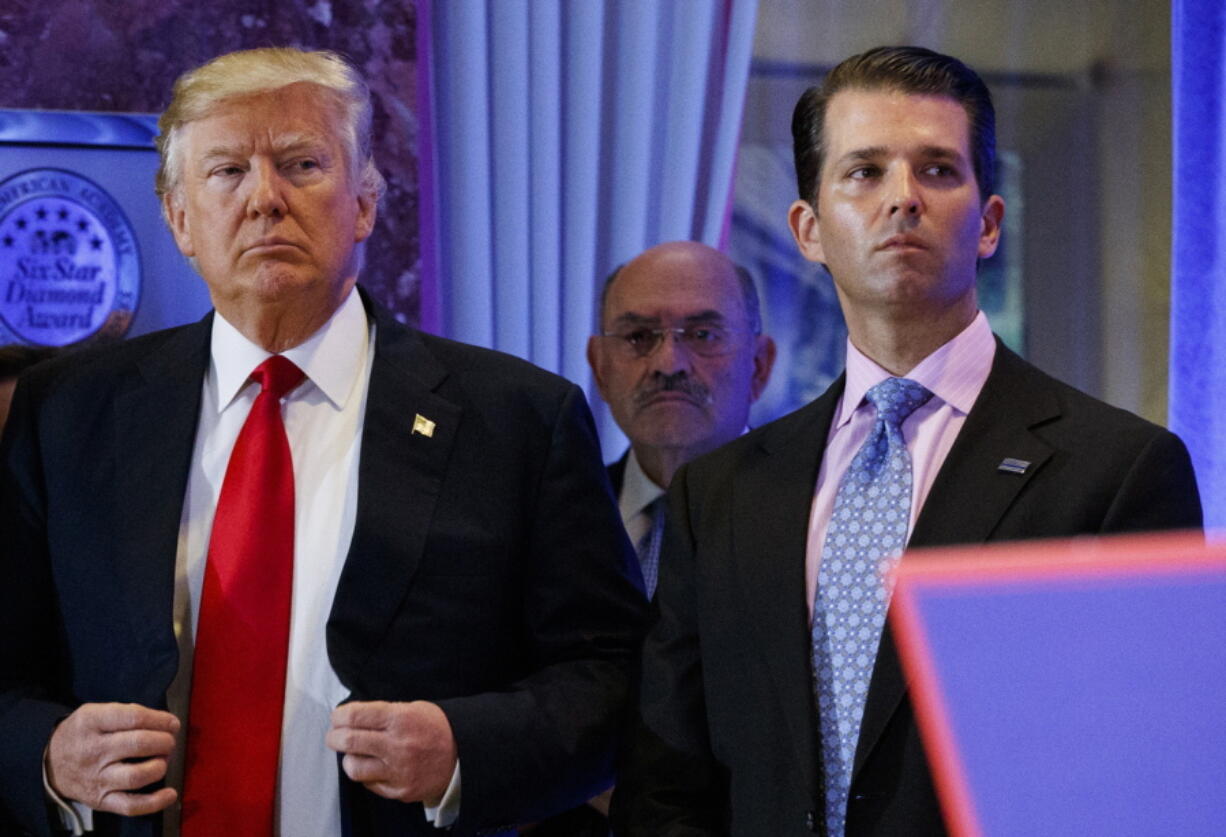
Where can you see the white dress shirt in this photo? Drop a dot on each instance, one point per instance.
(323, 421)
(638, 491)
(323, 417)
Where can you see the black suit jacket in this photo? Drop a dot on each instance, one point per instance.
(584, 820)
(729, 736)
(617, 473)
(488, 569)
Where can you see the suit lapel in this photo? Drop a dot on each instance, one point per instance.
(968, 499)
(155, 419)
(770, 522)
(617, 474)
(400, 474)
(971, 493)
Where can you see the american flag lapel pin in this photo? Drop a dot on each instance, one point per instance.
(422, 425)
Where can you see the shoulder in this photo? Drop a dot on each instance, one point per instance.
(89, 373)
(801, 432)
(1017, 385)
(1104, 468)
(496, 392)
(503, 387)
(766, 466)
(491, 369)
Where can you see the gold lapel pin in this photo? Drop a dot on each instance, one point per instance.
(423, 425)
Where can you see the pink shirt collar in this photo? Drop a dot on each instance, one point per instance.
(954, 373)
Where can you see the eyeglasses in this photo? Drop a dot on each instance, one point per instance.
(703, 340)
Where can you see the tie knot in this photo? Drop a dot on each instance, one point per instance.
(277, 376)
(897, 398)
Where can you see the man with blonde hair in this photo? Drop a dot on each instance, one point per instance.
(298, 569)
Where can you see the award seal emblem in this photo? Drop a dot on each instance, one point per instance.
(69, 263)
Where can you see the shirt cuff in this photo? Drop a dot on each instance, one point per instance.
(74, 816)
(448, 809)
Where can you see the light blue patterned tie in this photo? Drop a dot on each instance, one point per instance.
(648, 546)
(867, 532)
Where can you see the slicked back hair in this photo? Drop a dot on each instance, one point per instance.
(906, 69)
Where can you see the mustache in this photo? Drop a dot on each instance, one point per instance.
(679, 382)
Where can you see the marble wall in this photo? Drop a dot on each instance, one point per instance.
(123, 55)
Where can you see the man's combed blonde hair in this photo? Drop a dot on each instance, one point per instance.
(252, 71)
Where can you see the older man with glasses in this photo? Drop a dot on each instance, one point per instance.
(680, 359)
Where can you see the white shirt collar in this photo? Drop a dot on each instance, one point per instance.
(332, 358)
(638, 489)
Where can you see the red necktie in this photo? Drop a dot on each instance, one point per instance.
(242, 638)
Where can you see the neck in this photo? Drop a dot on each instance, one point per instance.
(277, 326)
(898, 344)
(659, 464)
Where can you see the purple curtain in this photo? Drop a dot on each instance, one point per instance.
(560, 139)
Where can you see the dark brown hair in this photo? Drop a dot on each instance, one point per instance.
(908, 69)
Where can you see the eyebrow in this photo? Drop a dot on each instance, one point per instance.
(940, 152)
(861, 155)
(709, 315)
(284, 145)
(875, 152)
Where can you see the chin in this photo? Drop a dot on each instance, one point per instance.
(277, 284)
(671, 434)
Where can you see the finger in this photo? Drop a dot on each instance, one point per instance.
(132, 775)
(118, 717)
(137, 744)
(391, 791)
(365, 769)
(373, 714)
(360, 742)
(137, 804)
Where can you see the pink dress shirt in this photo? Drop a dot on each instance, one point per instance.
(955, 374)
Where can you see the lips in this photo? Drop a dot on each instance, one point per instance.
(670, 397)
(692, 393)
(269, 243)
(902, 242)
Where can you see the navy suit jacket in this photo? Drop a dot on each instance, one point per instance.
(488, 569)
(728, 741)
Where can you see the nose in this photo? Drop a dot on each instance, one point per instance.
(904, 195)
(266, 197)
(671, 356)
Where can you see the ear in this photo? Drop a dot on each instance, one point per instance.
(176, 219)
(990, 224)
(368, 210)
(763, 363)
(596, 360)
(802, 221)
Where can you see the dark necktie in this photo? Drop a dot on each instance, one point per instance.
(648, 546)
(242, 637)
(867, 532)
